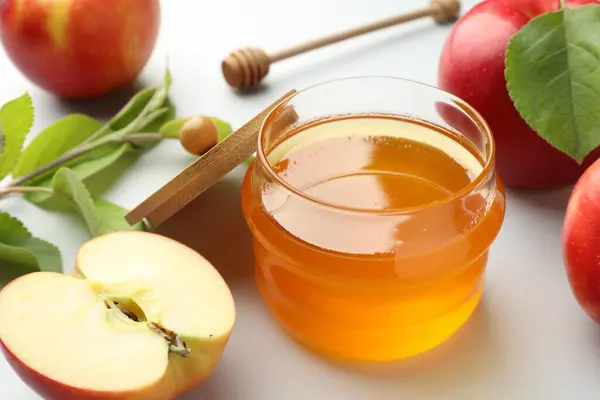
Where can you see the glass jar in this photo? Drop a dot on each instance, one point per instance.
(363, 283)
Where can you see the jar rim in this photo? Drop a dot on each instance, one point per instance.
(474, 185)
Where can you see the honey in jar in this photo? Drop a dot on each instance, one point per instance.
(371, 231)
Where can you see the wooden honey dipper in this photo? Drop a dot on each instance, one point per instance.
(245, 68)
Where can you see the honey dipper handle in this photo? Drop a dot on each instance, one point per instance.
(441, 10)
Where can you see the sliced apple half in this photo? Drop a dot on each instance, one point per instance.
(141, 317)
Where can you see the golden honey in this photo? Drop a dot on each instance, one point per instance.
(371, 233)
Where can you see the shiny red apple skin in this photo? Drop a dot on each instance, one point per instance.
(581, 241)
(79, 48)
(472, 66)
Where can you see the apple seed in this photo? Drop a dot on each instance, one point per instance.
(176, 344)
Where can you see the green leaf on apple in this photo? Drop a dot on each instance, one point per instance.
(21, 253)
(54, 141)
(553, 77)
(16, 119)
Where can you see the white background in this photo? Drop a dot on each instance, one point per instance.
(528, 339)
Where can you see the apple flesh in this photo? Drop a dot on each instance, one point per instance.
(581, 241)
(472, 66)
(79, 48)
(142, 317)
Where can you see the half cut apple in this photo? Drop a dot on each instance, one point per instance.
(141, 317)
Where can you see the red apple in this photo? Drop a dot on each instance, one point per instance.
(79, 48)
(581, 241)
(472, 67)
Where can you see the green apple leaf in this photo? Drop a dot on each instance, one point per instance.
(58, 139)
(164, 117)
(47, 255)
(146, 122)
(553, 77)
(132, 109)
(101, 216)
(16, 119)
(103, 158)
(161, 95)
(113, 216)
(12, 231)
(142, 103)
(172, 128)
(160, 100)
(151, 112)
(87, 167)
(2, 140)
(20, 253)
(54, 141)
(67, 184)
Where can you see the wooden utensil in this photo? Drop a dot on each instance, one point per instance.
(203, 173)
(245, 68)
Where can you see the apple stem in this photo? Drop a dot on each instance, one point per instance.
(82, 150)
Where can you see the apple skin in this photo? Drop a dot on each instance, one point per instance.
(50, 389)
(79, 48)
(472, 66)
(581, 241)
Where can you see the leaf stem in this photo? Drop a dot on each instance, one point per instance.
(105, 128)
(562, 4)
(24, 189)
(154, 108)
(150, 112)
(84, 149)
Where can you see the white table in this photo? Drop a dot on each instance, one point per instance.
(528, 339)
